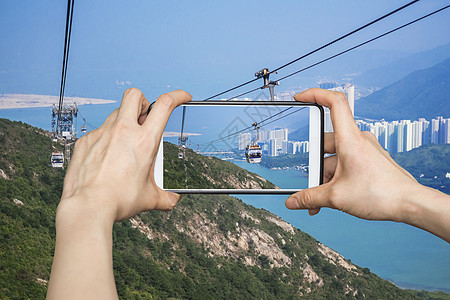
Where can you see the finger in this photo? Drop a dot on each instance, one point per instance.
(329, 168)
(329, 144)
(312, 198)
(313, 211)
(110, 119)
(133, 103)
(143, 115)
(341, 115)
(163, 107)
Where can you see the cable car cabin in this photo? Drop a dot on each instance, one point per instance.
(180, 155)
(83, 129)
(57, 159)
(253, 154)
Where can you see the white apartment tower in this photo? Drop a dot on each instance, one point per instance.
(244, 140)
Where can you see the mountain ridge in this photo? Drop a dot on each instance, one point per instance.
(389, 73)
(421, 94)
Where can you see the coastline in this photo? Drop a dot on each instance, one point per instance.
(418, 287)
(14, 101)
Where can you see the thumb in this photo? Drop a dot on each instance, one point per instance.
(167, 200)
(312, 199)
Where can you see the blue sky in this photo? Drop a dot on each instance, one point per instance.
(201, 46)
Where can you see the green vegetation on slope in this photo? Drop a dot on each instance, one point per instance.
(206, 172)
(428, 164)
(208, 247)
(27, 231)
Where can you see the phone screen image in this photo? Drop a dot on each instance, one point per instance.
(262, 147)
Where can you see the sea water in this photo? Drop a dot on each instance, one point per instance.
(407, 256)
(410, 257)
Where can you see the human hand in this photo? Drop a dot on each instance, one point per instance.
(110, 178)
(112, 168)
(361, 179)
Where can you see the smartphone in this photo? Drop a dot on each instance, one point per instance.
(242, 147)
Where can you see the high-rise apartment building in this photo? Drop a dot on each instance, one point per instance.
(292, 147)
(244, 140)
(284, 147)
(446, 132)
(303, 147)
(263, 135)
(273, 151)
(434, 131)
(279, 134)
(404, 135)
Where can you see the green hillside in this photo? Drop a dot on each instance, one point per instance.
(208, 247)
(428, 164)
(198, 171)
(422, 94)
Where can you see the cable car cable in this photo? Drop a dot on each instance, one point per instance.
(57, 159)
(68, 48)
(244, 129)
(320, 48)
(240, 95)
(68, 33)
(364, 43)
(285, 115)
(345, 35)
(252, 126)
(233, 88)
(182, 123)
(86, 121)
(352, 48)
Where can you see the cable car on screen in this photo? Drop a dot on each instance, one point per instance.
(57, 159)
(253, 152)
(83, 129)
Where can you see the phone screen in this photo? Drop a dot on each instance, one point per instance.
(263, 146)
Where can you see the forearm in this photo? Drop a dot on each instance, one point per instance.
(82, 265)
(428, 209)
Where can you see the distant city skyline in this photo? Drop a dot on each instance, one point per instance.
(274, 142)
(405, 135)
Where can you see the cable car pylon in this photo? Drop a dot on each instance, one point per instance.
(264, 74)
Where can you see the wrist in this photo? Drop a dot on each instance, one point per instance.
(410, 208)
(77, 210)
(83, 252)
(428, 209)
